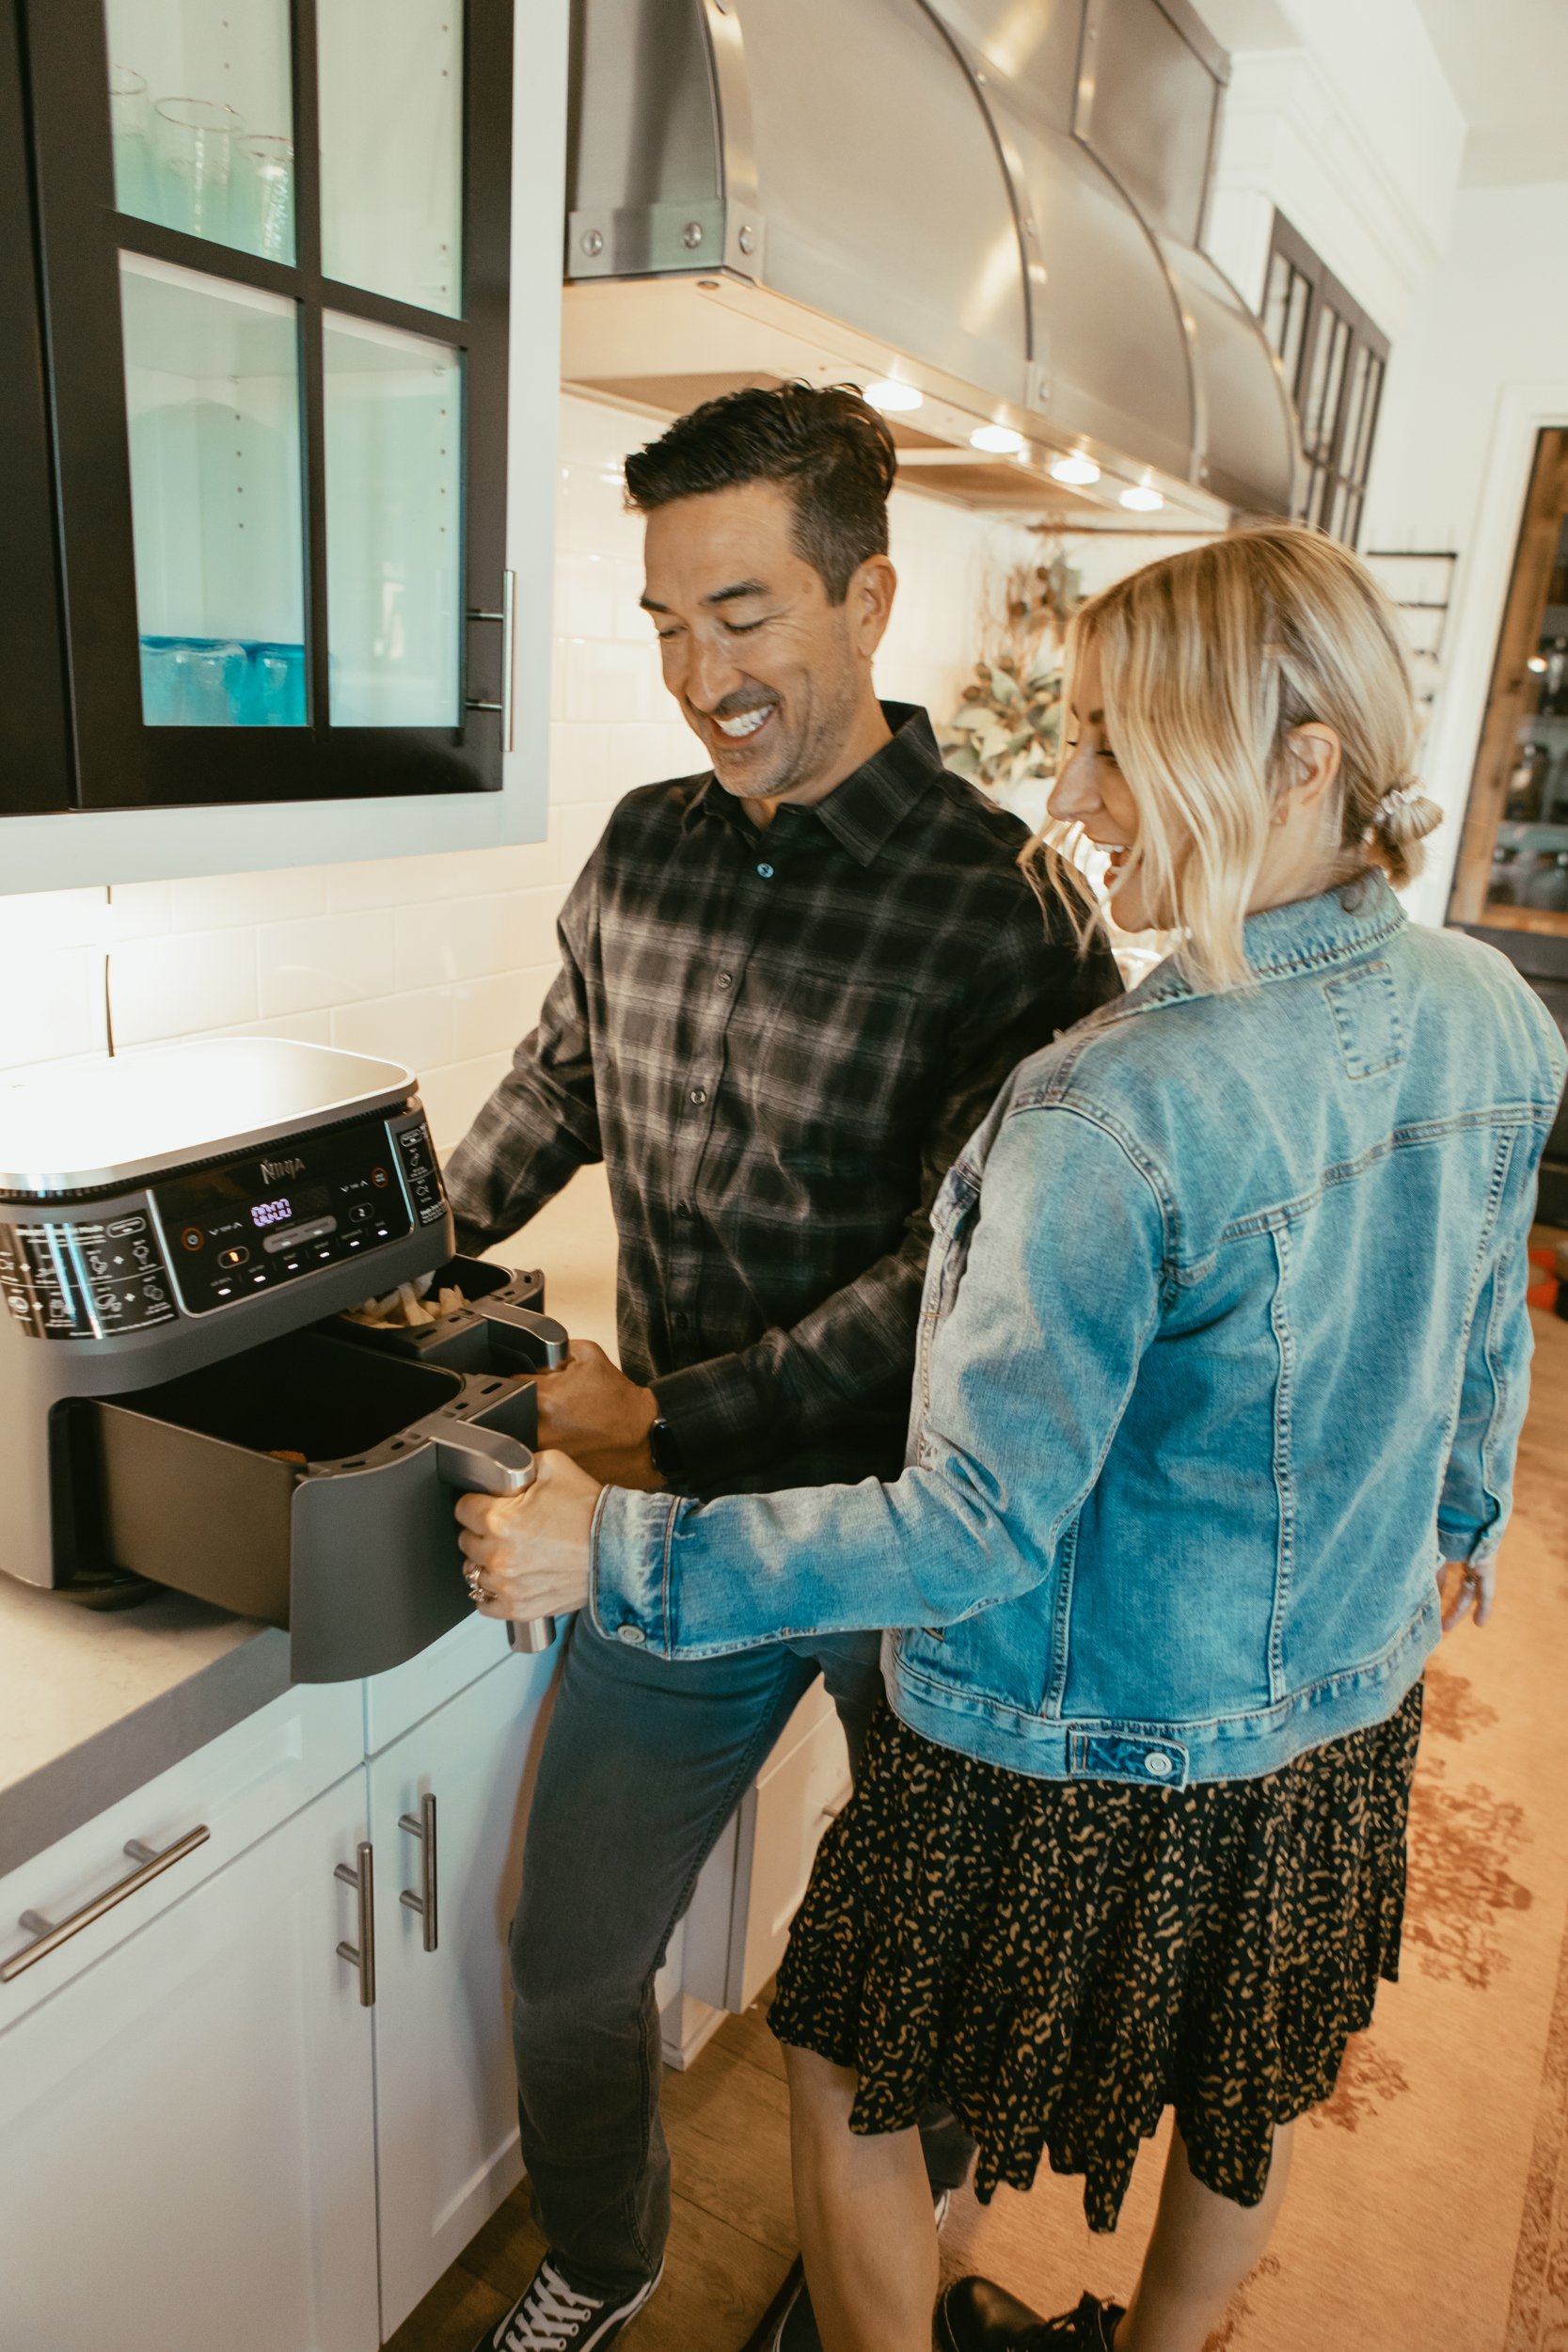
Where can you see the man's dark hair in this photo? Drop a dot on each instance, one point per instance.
(824, 444)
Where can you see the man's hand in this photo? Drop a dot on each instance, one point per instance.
(592, 1411)
(1463, 1585)
(528, 1554)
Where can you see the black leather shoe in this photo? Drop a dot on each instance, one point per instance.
(975, 2315)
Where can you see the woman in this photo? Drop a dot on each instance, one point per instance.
(1224, 1351)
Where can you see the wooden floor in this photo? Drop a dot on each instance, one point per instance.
(732, 2235)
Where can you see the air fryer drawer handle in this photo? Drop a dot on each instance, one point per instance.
(480, 1461)
(489, 1462)
(539, 1340)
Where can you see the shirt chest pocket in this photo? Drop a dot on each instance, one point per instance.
(837, 1070)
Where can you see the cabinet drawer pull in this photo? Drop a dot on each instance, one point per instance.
(149, 1863)
(362, 1955)
(422, 1826)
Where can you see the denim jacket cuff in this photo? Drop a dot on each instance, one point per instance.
(1473, 1547)
(628, 1583)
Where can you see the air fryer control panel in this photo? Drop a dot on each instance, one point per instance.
(84, 1278)
(209, 1237)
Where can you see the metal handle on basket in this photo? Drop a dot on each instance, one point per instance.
(541, 1342)
(487, 1462)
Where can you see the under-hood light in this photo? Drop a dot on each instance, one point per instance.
(997, 440)
(895, 399)
(1142, 499)
(1078, 470)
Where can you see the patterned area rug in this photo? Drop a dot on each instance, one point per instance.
(1429, 2208)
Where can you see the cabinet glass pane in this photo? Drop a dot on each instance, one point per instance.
(202, 118)
(391, 147)
(394, 538)
(211, 395)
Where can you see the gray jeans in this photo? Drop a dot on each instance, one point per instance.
(643, 1764)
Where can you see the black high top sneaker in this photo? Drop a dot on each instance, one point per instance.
(972, 2316)
(553, 2316)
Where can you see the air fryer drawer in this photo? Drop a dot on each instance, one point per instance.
(480, 1340)
(351, 1548)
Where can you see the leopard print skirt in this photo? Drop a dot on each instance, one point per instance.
(1060, 1961)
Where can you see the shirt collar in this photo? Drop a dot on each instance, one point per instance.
(1308, 935)
(862, 813)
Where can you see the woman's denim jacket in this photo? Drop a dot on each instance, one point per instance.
(1224, 1343)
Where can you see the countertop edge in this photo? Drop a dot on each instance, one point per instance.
(36, 1811)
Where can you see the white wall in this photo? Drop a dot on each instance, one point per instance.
(1482, 365)
(1341, 116)
(440, 961)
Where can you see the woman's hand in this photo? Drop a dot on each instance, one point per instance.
(1463, 1585)
(528, 1554)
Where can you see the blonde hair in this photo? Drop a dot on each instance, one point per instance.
(1208, 660)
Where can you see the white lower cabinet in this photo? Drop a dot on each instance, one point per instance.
(446, 2094)
(187, 2154)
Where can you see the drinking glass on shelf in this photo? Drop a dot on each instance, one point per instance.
(262, 196)
(128, 120)
(195, 139)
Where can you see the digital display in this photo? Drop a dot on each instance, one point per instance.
(271, 1213)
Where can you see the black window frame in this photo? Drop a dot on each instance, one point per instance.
(1336, 362)
(36, 764)
(121, 762)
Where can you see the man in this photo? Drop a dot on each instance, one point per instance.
(790, 988)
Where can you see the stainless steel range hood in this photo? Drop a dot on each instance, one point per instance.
(994, 203)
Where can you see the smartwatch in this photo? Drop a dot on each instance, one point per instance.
(664, 1448)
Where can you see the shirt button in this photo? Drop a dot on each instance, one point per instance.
(682, 1209)
(767, 872)
(1157, 1765)
(632, 1635)
(699, 1094)
(726, 979)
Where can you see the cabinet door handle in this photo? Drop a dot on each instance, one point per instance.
(362, 1955)
(151, 1864)
(422, 1826)
(507, 616)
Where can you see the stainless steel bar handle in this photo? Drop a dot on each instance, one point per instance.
(539, 1340)
(151, 1864)
(487, 1461)
(422, 1826)
(362, 1955)
(507, 616)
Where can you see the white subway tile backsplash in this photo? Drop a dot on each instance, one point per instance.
(493, 1014)
(140, 910)
(51, 1004)
(452, 1096)
(183, 985)
(216, 902)
(611, 684)
(304, 1028)
(416, 1029)
(459, 939)
(327, 960)
(584, 594)
(40, 922)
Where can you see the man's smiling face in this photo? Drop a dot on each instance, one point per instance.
(769, 673)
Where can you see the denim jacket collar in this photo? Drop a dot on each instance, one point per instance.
(1308, 935)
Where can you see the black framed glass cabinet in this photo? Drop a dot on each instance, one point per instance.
(272, 253)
